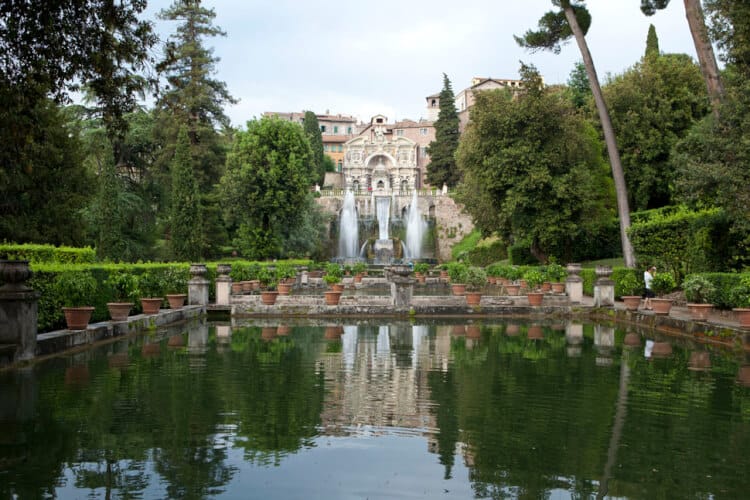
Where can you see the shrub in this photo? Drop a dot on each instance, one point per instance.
(268, 278)
(663, 283)
(123, 286)
(47, 253)
(628, 284)
(555, 272)
(334, 274)
(519, 254)
(360, 267)
(740, 294)
(534, 278)
(421, 267)
(457, 272)
(486, 253)
(476, 278)
(75, 288)
(698, 289)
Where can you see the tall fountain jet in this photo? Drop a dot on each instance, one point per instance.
(349, 228)
(416, 227)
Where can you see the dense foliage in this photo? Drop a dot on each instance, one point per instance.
(442, 167)
(532, 169)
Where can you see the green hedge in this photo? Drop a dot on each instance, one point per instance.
(484, 255)
(724, 283)
(47, 253)
(684, 241)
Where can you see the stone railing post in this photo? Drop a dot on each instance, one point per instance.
(574, 283)
(402, 285)
(604, 288)
(198, 285)
(18, 309)
(223, 284)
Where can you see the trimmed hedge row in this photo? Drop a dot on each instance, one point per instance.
(47, 253)
(484, 255)
(724, 283)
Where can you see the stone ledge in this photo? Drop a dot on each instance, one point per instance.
(61, 340)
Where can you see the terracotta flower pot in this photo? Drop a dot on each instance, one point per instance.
(700, 312)
(458, 330)
(512, 330)
(546, 286)
(513, 290)
(535, 298)
(632, 339)
(283, 330)
(237, 287)
(176, 341)
(332, 297)
(268, 332)
(661, 306)
(743, 315)
(458, 289)
(631, 302)
(358, 278)
(284, 288)
(699, 361)
(535, 332)
(337, 287)
(268, 297)
(176, 300)
(558, 287)
(333, 332)
(77, 318)
(661, 349)
(473, 298)
(473, 331)
(151, 305)
(247, 286)
(119, 311)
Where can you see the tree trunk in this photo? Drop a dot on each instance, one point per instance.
(621, 189)
(705, 52)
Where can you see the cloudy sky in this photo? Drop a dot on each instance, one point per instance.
(384, 57)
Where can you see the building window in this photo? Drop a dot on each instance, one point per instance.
(340, 165)
(399, 132)
(335, 129)
(423, 151)
(323, 128)
(349, 131)
(378, 120)
(422, 131)
(341, 148)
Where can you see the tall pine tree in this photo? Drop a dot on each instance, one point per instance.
(652, 42)
(442, 168)
(185, 217)
(195, 100)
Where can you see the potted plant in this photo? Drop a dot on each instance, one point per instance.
(76, 288)
(359, 268)
(629, 288)
(176, 281)
(556, 274)
(476, 278)
(420, 271)
(740, 296)
(268, 282)
(124, 287)
(150, 286)
(457, 276)
(699, 293)
(286, 273)
(333, 278)
(662, 284)
(534, 279)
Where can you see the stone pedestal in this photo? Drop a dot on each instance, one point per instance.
(574, 284)
(18, 309)
(402, 285)
(198, 285)
(604, 288)
(223, 284)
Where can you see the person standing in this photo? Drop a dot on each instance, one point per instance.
(648, 294)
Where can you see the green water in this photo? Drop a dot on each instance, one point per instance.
(378, 410)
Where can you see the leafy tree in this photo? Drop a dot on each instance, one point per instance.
(442, 167)
(653, 105)
(652, 42)
(192, 98)
(48, 48)
(578, 84)
(186, 214)
(556, 27)
(703, 47)
(266, 184)
(314, 135)
(532, 169)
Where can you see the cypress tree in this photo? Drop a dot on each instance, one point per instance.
(442, 167)
(185, 220)
(652, 42)
(312, 130)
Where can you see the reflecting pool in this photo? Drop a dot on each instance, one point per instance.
(380, 409)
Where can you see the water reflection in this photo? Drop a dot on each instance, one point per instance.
(480, 409)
